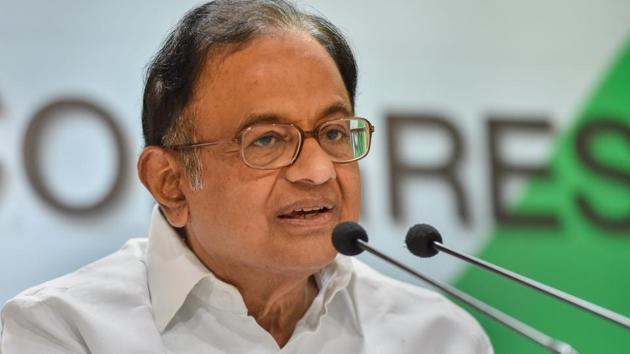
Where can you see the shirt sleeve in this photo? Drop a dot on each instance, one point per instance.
(28, 325)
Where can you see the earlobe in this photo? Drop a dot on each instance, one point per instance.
(161, 173)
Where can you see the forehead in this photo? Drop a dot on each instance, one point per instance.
(289, 76)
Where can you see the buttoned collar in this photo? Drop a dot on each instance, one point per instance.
(174, 271)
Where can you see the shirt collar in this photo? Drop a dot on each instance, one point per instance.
(331, 280)
(174, 271)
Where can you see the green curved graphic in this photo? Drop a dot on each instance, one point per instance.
(582, 257)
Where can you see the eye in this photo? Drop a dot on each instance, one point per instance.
(266, 140)
(335, 133)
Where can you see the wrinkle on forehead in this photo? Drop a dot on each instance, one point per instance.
(215, 59)
(239, 69)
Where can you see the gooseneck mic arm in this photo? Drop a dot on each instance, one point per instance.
(425, 241)
(351, 239)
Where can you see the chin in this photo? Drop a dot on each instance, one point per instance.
(311, 259)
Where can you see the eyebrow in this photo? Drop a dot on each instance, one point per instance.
(258, 118)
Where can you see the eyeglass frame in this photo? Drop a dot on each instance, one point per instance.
(304, 134)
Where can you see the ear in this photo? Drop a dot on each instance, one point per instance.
(163, 175)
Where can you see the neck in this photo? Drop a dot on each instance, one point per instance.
(279, 309)
(276, 301)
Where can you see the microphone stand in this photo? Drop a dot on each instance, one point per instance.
(561, 295)
(555, 346)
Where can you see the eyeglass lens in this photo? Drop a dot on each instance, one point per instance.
(276, 145)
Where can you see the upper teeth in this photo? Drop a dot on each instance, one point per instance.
(309, 209)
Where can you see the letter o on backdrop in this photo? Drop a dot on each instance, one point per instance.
(31, 150)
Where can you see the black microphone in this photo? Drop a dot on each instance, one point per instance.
(350, 239)
(345, 238)
(425, 241)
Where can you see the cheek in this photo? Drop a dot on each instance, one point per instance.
(349, 180)
(231, 198)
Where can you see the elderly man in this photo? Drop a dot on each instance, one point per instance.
(251, 155)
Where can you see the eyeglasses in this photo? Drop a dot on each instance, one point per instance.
(272, 146)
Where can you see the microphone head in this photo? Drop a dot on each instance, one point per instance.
(345, 238)
(420, 239)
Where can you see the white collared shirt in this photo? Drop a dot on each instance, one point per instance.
(155, 296)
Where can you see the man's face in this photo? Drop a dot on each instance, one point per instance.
(245, 218)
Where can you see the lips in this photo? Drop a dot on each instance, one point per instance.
(305, 213)
(306, 210)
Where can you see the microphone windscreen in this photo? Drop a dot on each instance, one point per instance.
(420, 238)
(345, 237)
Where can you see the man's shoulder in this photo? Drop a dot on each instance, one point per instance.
(413, 312)
(370, 279)
(89, 310)
(373, 284)
(111, 278)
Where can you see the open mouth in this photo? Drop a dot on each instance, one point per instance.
(306, 213)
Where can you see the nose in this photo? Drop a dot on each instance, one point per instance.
(313, 166)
